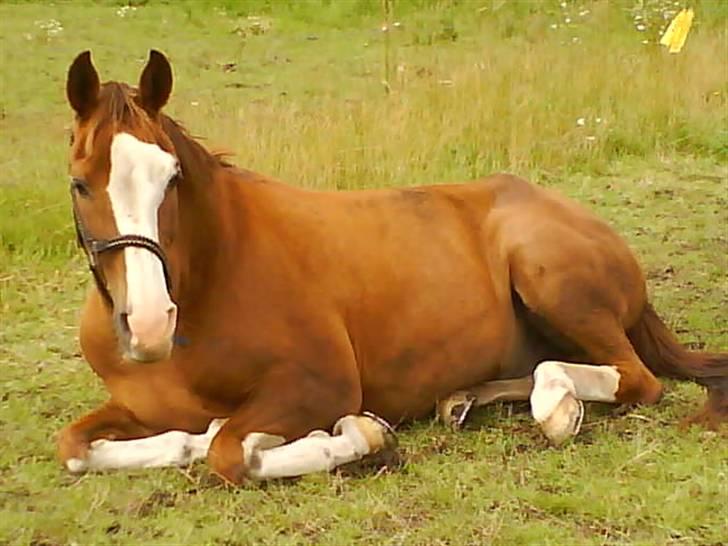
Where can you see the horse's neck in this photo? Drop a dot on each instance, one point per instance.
(202, 216)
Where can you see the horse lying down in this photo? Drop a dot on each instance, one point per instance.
(236, 318)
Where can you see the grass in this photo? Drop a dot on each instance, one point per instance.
(296, 92)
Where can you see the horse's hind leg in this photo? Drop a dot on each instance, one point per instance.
(582, 296)
(454, 409)
(619, 377)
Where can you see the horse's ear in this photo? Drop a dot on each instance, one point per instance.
(155, 83)
(82, 85)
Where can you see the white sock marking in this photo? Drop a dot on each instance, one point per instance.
(266, 455)
(317, 452)
(173, 448)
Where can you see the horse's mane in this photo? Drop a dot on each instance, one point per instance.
(178, 132)
(122, 109)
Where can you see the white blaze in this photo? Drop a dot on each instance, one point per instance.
(139, 175)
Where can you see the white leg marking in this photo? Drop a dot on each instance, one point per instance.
(266, 456)
(173, 448)
(354, 437)
(558, 390)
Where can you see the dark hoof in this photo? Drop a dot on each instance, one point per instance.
(455, 409)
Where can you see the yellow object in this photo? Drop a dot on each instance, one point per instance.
(677, 31)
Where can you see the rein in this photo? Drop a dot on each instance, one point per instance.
(94, 247)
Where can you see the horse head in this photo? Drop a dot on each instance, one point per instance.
(124, 170)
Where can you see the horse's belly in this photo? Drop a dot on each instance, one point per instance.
(410, 380)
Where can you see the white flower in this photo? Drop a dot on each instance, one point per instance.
(591, 138)
(124, 10)
(640, 27)
(581, 122)
(52, 27)
(567, 20)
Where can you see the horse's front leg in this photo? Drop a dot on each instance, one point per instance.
(110, 421)
(252, 443)
(172, 448)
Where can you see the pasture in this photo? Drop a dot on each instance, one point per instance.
(575, 95)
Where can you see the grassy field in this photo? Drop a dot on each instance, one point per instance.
(576, 95)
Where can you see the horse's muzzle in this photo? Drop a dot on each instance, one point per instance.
(147, 336)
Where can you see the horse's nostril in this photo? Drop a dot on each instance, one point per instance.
(124, 323)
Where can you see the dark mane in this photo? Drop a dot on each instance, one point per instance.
(119, 100)
(122, 110)
(182, 139)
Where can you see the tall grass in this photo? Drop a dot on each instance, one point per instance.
(539, 89)
(542, 100)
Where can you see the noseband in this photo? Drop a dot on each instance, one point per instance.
(94, 247)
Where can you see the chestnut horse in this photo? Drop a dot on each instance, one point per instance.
(239, 318)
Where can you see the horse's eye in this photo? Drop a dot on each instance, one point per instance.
(71, 139)
(80, 187)
(176, 179)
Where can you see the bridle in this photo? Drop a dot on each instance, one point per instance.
(94, 247)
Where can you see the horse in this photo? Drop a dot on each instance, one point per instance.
(278, 331)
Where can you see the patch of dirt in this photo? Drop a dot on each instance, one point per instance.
(662, 274)
(152, 504)
(113, 528)
(385, 461)
(311, 530)
(433, 445)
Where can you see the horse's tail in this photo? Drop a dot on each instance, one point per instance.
(663, 354)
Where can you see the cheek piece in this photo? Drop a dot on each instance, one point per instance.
(94, 247)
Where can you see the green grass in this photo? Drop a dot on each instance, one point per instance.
(474, 87)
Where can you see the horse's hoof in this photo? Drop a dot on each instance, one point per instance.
(387, 438)
(565, 421)
(455, 408)
(385, 453)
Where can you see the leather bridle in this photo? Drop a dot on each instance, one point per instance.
(94, 247)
